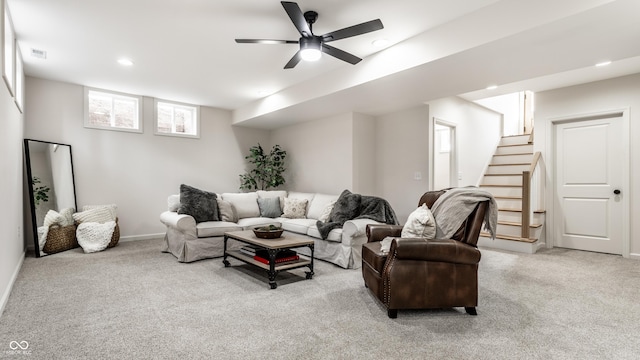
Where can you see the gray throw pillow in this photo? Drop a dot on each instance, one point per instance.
(269, 207)
(198, 203)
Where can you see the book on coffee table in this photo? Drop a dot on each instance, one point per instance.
(281, 257)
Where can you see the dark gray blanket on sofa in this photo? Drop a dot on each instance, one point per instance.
(351, 206)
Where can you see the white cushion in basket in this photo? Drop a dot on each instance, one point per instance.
(318, 204)
(52, 218)
(246, 204)
(94, 237)
(97, 215)
(112, 207)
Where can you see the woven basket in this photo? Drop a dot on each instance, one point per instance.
(60, 238)
(115, 237)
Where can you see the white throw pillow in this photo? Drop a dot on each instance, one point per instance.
(420, 224)
(318, 205)
(112, 207)
(173, 203)
(324, 216)
(246, 204)
(94, 237)
(67, 216)
(226, 211)
(52, 218)
(97, 215)
(295, 208)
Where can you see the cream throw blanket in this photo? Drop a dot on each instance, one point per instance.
(455, 205)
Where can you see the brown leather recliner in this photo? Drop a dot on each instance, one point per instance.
(420, 273)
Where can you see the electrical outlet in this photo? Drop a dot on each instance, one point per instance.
(417, 175)
(19, 232)
(459, 175)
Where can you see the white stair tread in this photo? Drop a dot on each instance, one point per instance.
(507, 237)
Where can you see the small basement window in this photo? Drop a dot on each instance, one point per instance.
(110, 110)
(177, 119)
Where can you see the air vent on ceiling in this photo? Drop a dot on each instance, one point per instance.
(40, 54)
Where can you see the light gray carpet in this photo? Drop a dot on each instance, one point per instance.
(133, 302)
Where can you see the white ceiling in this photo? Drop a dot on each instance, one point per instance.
(185, 50)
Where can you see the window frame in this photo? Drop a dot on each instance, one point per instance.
(113, 94)
(196, 108)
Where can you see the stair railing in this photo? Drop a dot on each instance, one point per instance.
(532, 193)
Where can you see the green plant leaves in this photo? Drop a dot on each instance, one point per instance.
(267, 169)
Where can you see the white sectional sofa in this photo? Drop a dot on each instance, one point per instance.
(190, 241)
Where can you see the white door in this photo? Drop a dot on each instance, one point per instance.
(589, 168)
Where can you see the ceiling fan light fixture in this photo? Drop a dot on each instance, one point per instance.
(310, 48)
(310, 54)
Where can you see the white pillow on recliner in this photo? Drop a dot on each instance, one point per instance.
(420, 224)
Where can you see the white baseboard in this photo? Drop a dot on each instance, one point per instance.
(141, 237)
(7, 291)
(509, 245)
(634, 256)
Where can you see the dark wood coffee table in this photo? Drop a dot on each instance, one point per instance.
(273, 246)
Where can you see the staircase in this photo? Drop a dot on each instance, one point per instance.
(504, 179)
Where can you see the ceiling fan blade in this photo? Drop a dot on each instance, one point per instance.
(265, 41)
(342, 55)
(354, 30)
(294, 61)
(296, 16)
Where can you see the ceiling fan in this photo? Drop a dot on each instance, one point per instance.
(311, 46)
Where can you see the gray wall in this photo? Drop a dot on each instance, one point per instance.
(137, 171)
(11, 184)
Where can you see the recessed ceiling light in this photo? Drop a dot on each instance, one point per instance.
(380, 42)
(125, 62)
(492, 87)
(604, 63)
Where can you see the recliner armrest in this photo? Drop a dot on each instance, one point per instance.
(450, 251)
(377, 232)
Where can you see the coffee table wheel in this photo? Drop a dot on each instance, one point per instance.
(309, 275)
(273, 285)
(226, 263)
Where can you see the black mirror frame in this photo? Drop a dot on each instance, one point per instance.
(34, 222)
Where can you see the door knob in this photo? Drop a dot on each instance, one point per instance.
(616, 191)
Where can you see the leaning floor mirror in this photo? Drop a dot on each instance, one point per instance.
(49, 170)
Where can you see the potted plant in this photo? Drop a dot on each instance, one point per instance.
(267, 169)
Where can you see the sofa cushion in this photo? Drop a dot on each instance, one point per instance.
(264, 194)
(318, 204)
(226, 211)
(246, 204)
(215, 228)
(270, 207)
(335, 235)
(250, 223)
(300, 226)
(198, 203)
(295, 208)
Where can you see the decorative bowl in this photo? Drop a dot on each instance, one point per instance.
(268, 232)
